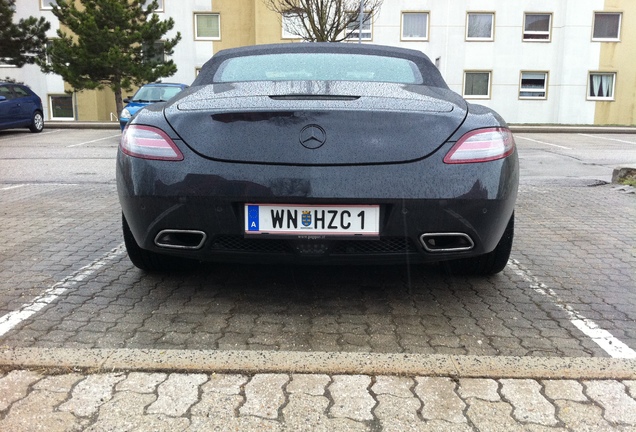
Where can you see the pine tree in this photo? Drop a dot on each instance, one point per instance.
(114, 43)
(24, 42)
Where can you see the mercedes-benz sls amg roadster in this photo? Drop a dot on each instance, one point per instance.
(318, 153)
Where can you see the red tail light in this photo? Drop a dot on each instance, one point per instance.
(482, 145)
(148, 142)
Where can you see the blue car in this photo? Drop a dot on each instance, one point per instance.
(20, 107)
(146, 95)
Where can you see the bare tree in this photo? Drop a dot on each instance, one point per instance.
(324, 20)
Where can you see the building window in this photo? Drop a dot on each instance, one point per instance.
(534, 85)
(292, 26)
(47, 4)
(353, 29)
(477, 85)
(415, 26)
(480, 26)
(156, 54)
(607, 26)
(61, 107)
(601, 86)
(207, 26)
(536, 27)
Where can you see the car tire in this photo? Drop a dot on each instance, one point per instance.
(488, 264)
(148, 260)
(37, 122)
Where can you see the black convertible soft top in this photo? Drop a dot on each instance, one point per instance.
(430, 74)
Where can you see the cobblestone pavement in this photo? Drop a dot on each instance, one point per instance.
(65, 282)
(138, 401)
(580, 253)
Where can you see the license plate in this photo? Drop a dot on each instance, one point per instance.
(324, 220)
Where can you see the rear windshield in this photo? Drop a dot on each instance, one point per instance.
(155, 93)
(318, 67)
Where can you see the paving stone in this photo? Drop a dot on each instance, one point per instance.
(311, 384)
(177, 394)
(264, 395)
(91, 393)
(126, 412)
(631, 388)
(611, 395)
(485, 389)
(492, 416)
(220, 400)
(14, 386)
(528, 402)
(228, 384)
(398, 413)
(439, 400)
(37, 412)
(394, 386)
(351, 398)
(579, 416)
(141, 382)
(58, 383)
(564, 389)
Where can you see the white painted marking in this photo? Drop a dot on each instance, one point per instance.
(37, 184)
(611, 345)
(96, 140)
(543, 142)
(11, 137)
(12, 319)
(608, 139)
(12, 187)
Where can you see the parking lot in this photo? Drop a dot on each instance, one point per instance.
(568, 291)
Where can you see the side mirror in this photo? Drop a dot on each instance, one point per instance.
(127, 100)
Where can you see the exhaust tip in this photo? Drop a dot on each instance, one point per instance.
(446, 242)
(180, 239)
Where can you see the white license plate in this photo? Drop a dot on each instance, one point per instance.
(323, 220)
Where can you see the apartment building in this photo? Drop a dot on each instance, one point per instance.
(534, 61)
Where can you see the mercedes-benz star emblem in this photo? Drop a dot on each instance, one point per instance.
(312, 136)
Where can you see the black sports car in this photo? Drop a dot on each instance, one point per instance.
(318, 153)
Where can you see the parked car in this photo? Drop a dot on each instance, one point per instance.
(318, 153)
(20, 107)
(146, 95)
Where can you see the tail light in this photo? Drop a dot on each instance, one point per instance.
(148, 142)
(482, 145)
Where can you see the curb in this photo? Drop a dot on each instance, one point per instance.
(252, 362)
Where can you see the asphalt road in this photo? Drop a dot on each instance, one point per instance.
(568, 291)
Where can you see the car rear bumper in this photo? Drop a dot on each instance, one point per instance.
(198, 207)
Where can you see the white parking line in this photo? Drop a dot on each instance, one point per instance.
(543, 142)
(17, 186)
(611, 345)
(12, 319)
(608, 139)
(12, 137)
(89, 142)
(12, 187)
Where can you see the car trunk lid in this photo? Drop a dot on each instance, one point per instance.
(316, 123)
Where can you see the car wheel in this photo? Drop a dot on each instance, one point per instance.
(37, 122)
(488, 264)
(148, 260)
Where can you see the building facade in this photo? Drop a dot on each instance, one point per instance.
(534, 61)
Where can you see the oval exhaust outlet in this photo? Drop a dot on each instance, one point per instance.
(180, 239)
(446, 242)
